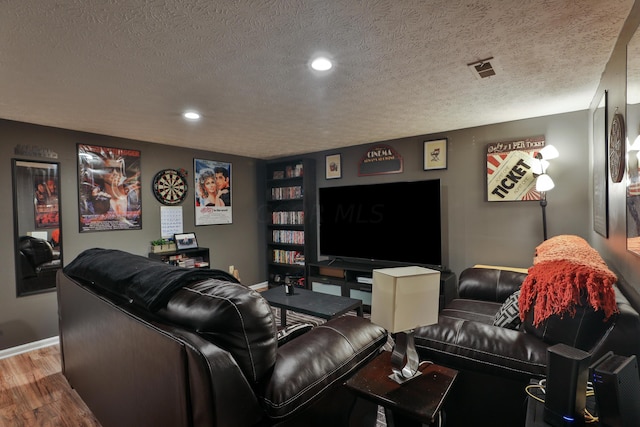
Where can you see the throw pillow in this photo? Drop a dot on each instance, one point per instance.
(509, 314)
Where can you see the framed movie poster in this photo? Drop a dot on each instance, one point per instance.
(108, 189)
(509, 173)
(212, 192)
(45, 192)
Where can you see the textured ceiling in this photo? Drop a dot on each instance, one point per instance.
(129, 68)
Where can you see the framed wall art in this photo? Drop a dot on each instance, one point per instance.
(333, 166)
(510, 176)
(212, 192)
(600, 172)
(108, 189)
(435, 154)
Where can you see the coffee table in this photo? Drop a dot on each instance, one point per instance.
(413, 403)
(316, 304)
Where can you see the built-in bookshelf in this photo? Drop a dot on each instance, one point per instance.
(291, 226)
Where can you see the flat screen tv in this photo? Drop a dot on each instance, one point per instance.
(397, 221)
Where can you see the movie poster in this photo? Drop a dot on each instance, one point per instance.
(109, 189)
(212, 192)
(509, 173)
(45, 196)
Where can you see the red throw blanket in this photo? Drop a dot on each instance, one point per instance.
(564, 268)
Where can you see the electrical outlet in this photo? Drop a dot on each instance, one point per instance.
(231, 269)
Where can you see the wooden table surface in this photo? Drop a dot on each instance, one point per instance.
(420, 398)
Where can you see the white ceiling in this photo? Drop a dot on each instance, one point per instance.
(129, 68)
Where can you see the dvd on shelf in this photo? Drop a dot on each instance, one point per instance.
(286, 193)
(287, 217)
(288, 236)
(282, 256)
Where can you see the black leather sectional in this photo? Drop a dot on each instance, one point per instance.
(496, 363)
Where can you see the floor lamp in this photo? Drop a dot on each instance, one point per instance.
(544, 182)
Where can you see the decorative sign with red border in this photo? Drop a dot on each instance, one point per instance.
(380, 159)
(509, 173)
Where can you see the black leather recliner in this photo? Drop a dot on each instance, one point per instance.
(210, 356)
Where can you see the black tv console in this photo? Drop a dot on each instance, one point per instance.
(354, 279)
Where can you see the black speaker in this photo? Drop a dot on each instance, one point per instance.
(616, 384)
(566, 386)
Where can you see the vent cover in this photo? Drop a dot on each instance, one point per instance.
(483, 69)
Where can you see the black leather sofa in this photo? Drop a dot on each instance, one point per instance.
(206, 356)
(496, 363)
(38, 264)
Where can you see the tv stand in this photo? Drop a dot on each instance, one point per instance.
(353, 278)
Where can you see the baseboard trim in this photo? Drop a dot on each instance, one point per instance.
(260, 286)
(14, 351)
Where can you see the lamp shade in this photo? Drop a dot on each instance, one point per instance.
(549, 152)
(404, 298)
(544, 183)
(539, 166)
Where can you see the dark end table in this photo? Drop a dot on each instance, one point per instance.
(316, 304)
(412, 403)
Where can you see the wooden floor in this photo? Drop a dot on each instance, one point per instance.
(33, 392)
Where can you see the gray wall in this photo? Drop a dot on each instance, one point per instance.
(476, 231)
(614, 248)
(34, 317)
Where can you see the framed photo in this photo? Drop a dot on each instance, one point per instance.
(435, 154)
(108, 189)
(212, 192)
(333, 166)
(185, 241)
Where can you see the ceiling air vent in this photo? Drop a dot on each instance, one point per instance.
(483, 68)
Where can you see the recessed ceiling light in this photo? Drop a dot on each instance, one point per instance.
(191, 115)
(321, 64)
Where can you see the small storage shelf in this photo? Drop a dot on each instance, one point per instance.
(190, 258)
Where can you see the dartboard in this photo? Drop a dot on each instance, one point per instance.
(170, 187)
(617, 148)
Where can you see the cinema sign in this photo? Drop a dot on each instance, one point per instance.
(380, 159)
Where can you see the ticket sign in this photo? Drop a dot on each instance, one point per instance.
(509, 173)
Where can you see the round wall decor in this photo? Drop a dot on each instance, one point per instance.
(617, 148)
(170, 187)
